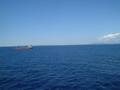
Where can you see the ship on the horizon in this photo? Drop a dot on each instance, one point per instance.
(24, 47)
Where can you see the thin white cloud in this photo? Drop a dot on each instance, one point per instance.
(112, 37)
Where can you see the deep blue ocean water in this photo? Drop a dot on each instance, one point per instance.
(80, 67)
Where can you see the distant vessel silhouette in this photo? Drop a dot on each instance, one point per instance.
(24, 47)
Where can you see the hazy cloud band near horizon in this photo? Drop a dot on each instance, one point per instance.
(111, 38)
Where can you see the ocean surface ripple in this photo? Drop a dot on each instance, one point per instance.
(80, 67)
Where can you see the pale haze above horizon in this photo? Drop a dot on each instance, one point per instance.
(59, 22)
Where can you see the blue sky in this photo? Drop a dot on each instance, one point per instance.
(57, 22)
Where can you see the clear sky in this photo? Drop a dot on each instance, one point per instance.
(53, 22)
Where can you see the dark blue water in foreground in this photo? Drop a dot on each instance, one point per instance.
(85, 67)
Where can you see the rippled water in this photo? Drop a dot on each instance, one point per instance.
(84, 67)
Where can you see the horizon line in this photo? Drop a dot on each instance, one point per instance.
(62, 44)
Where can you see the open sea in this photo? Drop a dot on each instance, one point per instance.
(72, 67)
